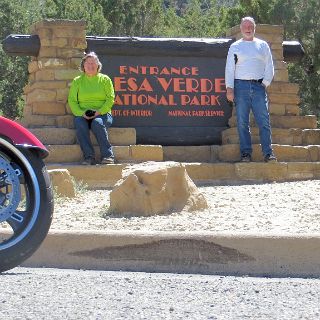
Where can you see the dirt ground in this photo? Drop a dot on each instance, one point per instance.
(288, 207)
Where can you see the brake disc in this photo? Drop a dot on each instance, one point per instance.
(10, 193)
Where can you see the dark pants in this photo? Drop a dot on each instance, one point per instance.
(99, 126)
(252, 96)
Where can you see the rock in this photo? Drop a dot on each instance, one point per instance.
(62, 182)
(156, 188)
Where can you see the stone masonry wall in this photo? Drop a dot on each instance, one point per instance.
(62, 46)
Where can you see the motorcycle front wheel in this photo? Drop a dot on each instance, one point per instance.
(26, 204)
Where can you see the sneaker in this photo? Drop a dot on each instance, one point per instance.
(245, 157)
(107, 160)
(89, 161)
(270, 158)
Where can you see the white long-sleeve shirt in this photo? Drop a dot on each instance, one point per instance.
(254, 61)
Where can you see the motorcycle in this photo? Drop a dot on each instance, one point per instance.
(26, 195)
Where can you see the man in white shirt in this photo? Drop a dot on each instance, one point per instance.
(249, 70)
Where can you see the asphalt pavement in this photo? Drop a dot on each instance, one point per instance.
(28, 293)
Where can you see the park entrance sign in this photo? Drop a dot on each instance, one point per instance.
(171, 90)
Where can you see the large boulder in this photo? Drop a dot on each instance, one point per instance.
(155, 188)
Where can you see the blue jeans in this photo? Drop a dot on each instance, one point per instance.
(99, 126)
(252, 95)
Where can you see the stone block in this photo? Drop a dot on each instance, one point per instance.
(65, 121)
(48, 85)
(278, 109)
(69, 53)
(33, 66)
(314, 153)
(62, 182)
(281, 76)
(270, 38)
(214, 153)
(316, 170)
(123, 136)
(63, 153)
(54, 42)
(32, 77)
(187, 153)
(27, 88)
(41, 95)
(46, 52)
(311, 136)
(255, 171)
(291, 153)
(62, 95)
(44, 33)
(278, 55)
(300, 170)
(61, 23)
(276, 46)
(100, 176)
(121, 153)
(59, 136)
(146, 152)
(68, 109)
(44, 75)
(78, 43)
(270, 29)
(75, 63)
(292, 110)
(34, 121)
(49, 108)
(303, 122)
(44, 63)
(210, 171)
(280, 65)
(65, 74)
(283, 87)
(281, 98)
(67, 32)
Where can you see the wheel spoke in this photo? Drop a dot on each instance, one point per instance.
(17, 221)
(3, 177)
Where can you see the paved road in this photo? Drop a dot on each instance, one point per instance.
(72, 294)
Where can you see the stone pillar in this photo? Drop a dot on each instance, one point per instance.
(62, 47)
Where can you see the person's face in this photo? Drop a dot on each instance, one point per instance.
(247, 30)
(90, 66)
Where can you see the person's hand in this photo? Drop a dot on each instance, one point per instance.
(230, 94)
(89, 118)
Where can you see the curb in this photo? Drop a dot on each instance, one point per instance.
(207, 253)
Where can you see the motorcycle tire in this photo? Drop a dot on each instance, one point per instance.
(26, 204)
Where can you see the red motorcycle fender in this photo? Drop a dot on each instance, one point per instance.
(21, 137)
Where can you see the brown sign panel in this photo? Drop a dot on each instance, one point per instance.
(169, 100)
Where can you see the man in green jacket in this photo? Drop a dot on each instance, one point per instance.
(91, 98)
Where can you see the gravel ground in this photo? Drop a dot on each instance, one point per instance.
(291, 207)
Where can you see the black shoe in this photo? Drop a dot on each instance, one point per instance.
(270, 158)
(245, 157)
(89, 161)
